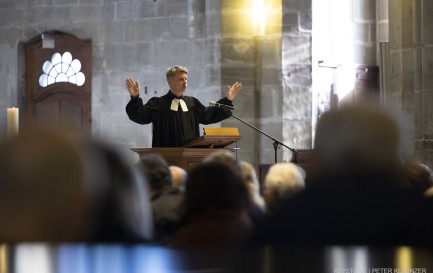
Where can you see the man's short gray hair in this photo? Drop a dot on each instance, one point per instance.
(171, 72)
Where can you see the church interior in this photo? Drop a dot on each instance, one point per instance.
(63, 68)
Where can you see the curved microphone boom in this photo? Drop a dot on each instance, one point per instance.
(224, 106)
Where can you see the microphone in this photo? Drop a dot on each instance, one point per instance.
(219, 105)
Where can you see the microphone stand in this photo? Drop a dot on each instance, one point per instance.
(276, 141)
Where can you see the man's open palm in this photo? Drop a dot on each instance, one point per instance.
(133, 88)
(233, 91)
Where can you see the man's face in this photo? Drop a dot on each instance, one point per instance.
(179, 83)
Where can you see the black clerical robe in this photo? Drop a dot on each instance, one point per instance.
(174, 128)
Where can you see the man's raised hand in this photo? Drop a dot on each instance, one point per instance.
(133, 88)
(233, 91)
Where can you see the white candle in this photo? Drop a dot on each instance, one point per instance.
(13, 124)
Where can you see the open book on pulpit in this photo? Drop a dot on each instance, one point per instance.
(215, 138)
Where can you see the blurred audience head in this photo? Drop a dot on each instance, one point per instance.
(178, 178)
(125, 212)
(357, 141)
(213, 186)
(156, 170)
(282, 181)
(41, 179)
(54, 189)
(253, 184)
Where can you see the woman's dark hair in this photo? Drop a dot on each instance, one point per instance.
(212, 185)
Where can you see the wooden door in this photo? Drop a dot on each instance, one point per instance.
(59, 82)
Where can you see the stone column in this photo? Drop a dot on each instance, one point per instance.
(423, 113)
(297, 75)
(364, 39)
(256, 62)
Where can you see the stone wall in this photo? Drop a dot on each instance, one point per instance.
(129, 38)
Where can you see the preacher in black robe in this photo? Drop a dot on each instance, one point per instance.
(174, 128)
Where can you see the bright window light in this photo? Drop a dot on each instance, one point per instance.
(62, 68)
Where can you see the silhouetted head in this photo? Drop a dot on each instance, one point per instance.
(356, 141)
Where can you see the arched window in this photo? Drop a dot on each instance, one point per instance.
(61, 68)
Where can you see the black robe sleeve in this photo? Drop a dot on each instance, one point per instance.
(142, 114)
(208, 115)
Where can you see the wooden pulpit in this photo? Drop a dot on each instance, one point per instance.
(194, 151)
